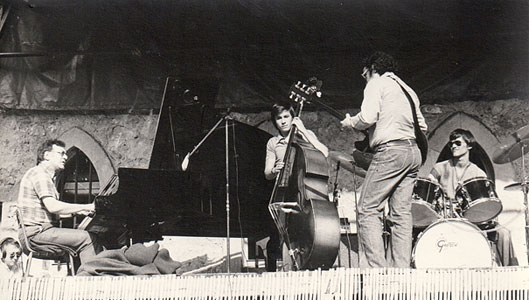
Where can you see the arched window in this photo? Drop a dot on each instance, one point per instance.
(87, 168)
(78, 183)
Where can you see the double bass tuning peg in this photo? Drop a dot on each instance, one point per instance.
(298, 85)
(295, 97)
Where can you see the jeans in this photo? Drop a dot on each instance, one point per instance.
(390, 177)
(502, 246)
(79, 240)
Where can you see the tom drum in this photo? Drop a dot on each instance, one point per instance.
(479, 201)
(426, 197)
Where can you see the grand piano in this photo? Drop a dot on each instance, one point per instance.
(141, 205)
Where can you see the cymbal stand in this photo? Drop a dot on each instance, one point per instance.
(343, 221)
(360, 248)
(453, 210)
(336, 198)
(525, 185)
(444, 206)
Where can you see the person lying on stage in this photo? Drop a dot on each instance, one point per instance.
(11, 265)
(453, 172)
(38, 201)
(283, 118)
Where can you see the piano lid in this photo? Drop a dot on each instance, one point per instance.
(194, 202)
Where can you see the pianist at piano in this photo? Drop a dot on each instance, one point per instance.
(39, 204)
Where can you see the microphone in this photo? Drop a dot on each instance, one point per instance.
(185, 162)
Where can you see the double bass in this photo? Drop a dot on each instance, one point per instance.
(307, 221)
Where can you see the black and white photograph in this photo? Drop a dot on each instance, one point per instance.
(264, 149)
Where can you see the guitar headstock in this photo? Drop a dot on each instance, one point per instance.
(303, 92)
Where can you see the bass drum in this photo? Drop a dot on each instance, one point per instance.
(452, 243)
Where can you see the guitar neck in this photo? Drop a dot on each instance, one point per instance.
(329, 109)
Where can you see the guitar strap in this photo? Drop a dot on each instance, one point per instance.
(419, 136)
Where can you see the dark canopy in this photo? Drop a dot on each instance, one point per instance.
(73, 54)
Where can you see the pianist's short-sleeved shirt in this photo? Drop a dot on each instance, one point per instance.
(35, 185)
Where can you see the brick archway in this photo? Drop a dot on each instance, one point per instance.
(76, 137)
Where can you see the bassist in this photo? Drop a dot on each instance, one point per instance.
(283, 119)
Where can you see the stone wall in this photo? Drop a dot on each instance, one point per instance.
(128, 138)
(502, 118)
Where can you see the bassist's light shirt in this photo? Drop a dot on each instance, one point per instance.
(276, 148)
(387, 108)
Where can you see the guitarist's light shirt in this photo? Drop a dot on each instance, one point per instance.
(386, 111)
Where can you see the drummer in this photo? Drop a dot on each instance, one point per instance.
(453, 172)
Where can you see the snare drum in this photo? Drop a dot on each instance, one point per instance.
(426, 197)
(452, 243)
(479, 201)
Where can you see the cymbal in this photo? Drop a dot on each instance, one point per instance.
(347, 162)
(511, 151)
(522, 133)
(341, 157)
(517, 186)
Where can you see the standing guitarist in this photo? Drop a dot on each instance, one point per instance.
(388, 115)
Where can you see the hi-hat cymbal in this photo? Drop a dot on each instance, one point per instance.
(517, 186)
(511, 151)
(347, 162)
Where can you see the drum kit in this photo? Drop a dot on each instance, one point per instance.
(477, 202)
(450, 236)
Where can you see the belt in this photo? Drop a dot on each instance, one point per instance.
(408, 142)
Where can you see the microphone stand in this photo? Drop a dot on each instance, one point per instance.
(524, 189)
(226, 118)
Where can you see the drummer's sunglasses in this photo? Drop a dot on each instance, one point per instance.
(457, 143)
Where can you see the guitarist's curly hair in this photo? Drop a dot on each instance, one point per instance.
(381, 62)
